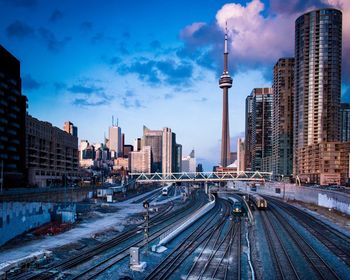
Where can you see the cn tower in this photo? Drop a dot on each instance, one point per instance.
(225, 83)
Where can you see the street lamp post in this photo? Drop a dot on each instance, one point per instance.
(284, 188)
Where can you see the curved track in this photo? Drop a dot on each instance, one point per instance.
(62, 266)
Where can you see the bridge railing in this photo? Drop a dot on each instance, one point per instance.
(202, 176)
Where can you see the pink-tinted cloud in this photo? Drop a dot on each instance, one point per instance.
(263, 39)
(255, 37)
(344, 6)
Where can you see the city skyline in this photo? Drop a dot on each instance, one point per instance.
(99, 69)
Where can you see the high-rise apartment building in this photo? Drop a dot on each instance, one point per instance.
(115, 141)
(261, 129)
(282, 125)
(318, 47)
(70, 128)
(153, 138)
(248, 142)
(12, 122)
(345, 122)
(140, 161)
(51, 154)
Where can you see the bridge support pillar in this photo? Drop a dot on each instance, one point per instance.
(206, 188)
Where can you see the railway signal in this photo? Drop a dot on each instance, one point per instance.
(146, 228)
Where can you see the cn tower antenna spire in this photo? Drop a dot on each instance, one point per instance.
(225, 83)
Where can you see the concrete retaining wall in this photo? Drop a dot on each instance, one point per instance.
(18, 217)
(325, 198)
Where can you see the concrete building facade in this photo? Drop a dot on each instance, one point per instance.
(140, 161)
(51, 154)
(325, 163)
(70, 128)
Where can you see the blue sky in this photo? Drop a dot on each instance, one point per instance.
(153, 63)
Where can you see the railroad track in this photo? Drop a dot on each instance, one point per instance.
(282, 263)
(334, 240)
(209, 246)
(185, 249)
(321, 267)
(219, 266)
(102, 266)
(85, 256)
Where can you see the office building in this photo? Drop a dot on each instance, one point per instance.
(344, 122)
(12, 122)
(70, 128)
(127, 149)
(51, 154)
(137, 144)
(168, 151)
(115, 141)
(282, 125)
(153, 139)
(262, 129)
(189, 163)
(140, 161)
(318, 47)
(248, 142)
(178, 158)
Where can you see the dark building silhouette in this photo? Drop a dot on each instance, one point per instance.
(12, 122)
(127, 149)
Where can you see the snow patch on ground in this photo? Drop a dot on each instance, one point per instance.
(86, 229)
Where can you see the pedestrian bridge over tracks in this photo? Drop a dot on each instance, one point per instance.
(206, 177)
